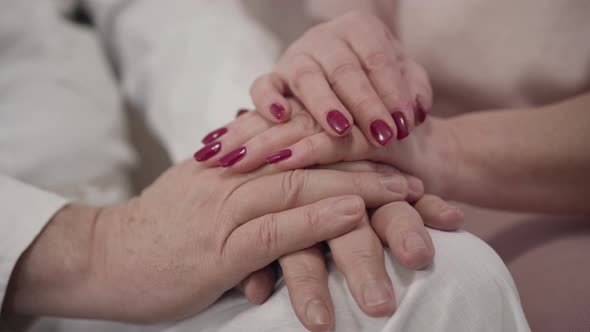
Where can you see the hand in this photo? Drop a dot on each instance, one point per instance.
(188, 238)
(250, 141)
(359, 255)
(349, 68)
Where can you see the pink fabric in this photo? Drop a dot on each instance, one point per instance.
(549, 258)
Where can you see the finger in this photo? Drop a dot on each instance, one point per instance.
(321, 148)
(261, 147)
(234, 135)
(286, 190)
(420, 89)
(359, 255)
(268, 93)
(439, 214)
(308, 83)
(260, 241)
(373, 44)
(400, 226)
(306, 278)
(348, 79)
(258, 286)
(415, 185)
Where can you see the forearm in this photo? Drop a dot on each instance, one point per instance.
(52, 276)
(531, 159)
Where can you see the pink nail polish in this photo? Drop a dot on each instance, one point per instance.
(381, 131)
(278, 156)
(207, 151)
(241, 112)
(277, 110)
(337, 121)
(402, 125)
(233, 157)
(420, 111)
(215, 134)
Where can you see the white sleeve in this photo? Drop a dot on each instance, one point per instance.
(24, 211)
(187, 63)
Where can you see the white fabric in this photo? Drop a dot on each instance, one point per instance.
(188, 65)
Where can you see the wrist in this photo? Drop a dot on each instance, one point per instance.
(52, 276)
(442, 148)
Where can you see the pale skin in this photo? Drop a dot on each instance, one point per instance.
(532, 159)
(196, 233)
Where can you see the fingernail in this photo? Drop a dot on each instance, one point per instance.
(278, 156)
(394, 184)
(241, 112)
(420, 111)
(277, 110)
(402, 125)
(381, 131)
(347, 206)
(317, 313)
(414, 242)
(233, 157)
(215, 134)
(338, 122)
(375, 293)
(453, 209)
(207, 151)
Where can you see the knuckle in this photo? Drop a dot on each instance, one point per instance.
(309, 147)
(307, 123)
(303, 72)
(367, 102)
(341, 70)
(268, 232)
(293, 184)
(365, 255)
(303, 278)
(378, 60)
(358, 184)
(312, 219)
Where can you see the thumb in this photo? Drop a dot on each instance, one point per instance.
(259, 242)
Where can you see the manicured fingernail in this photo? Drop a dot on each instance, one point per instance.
(233, 157)
(278, 156)
(241, 112)
(207, 151)
(375, 293)
(277, 110)
(215, 134)
(338, 122)
(414, 242)
(381, 131)
(317, 313)
(420, 111)
(401, 123)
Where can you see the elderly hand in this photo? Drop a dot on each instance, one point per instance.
(189, 237)
(359, 255)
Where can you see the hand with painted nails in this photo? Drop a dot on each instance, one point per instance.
(350, 70)
(251, 141)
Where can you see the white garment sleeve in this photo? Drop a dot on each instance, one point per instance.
(187, 63)
(24, 211)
